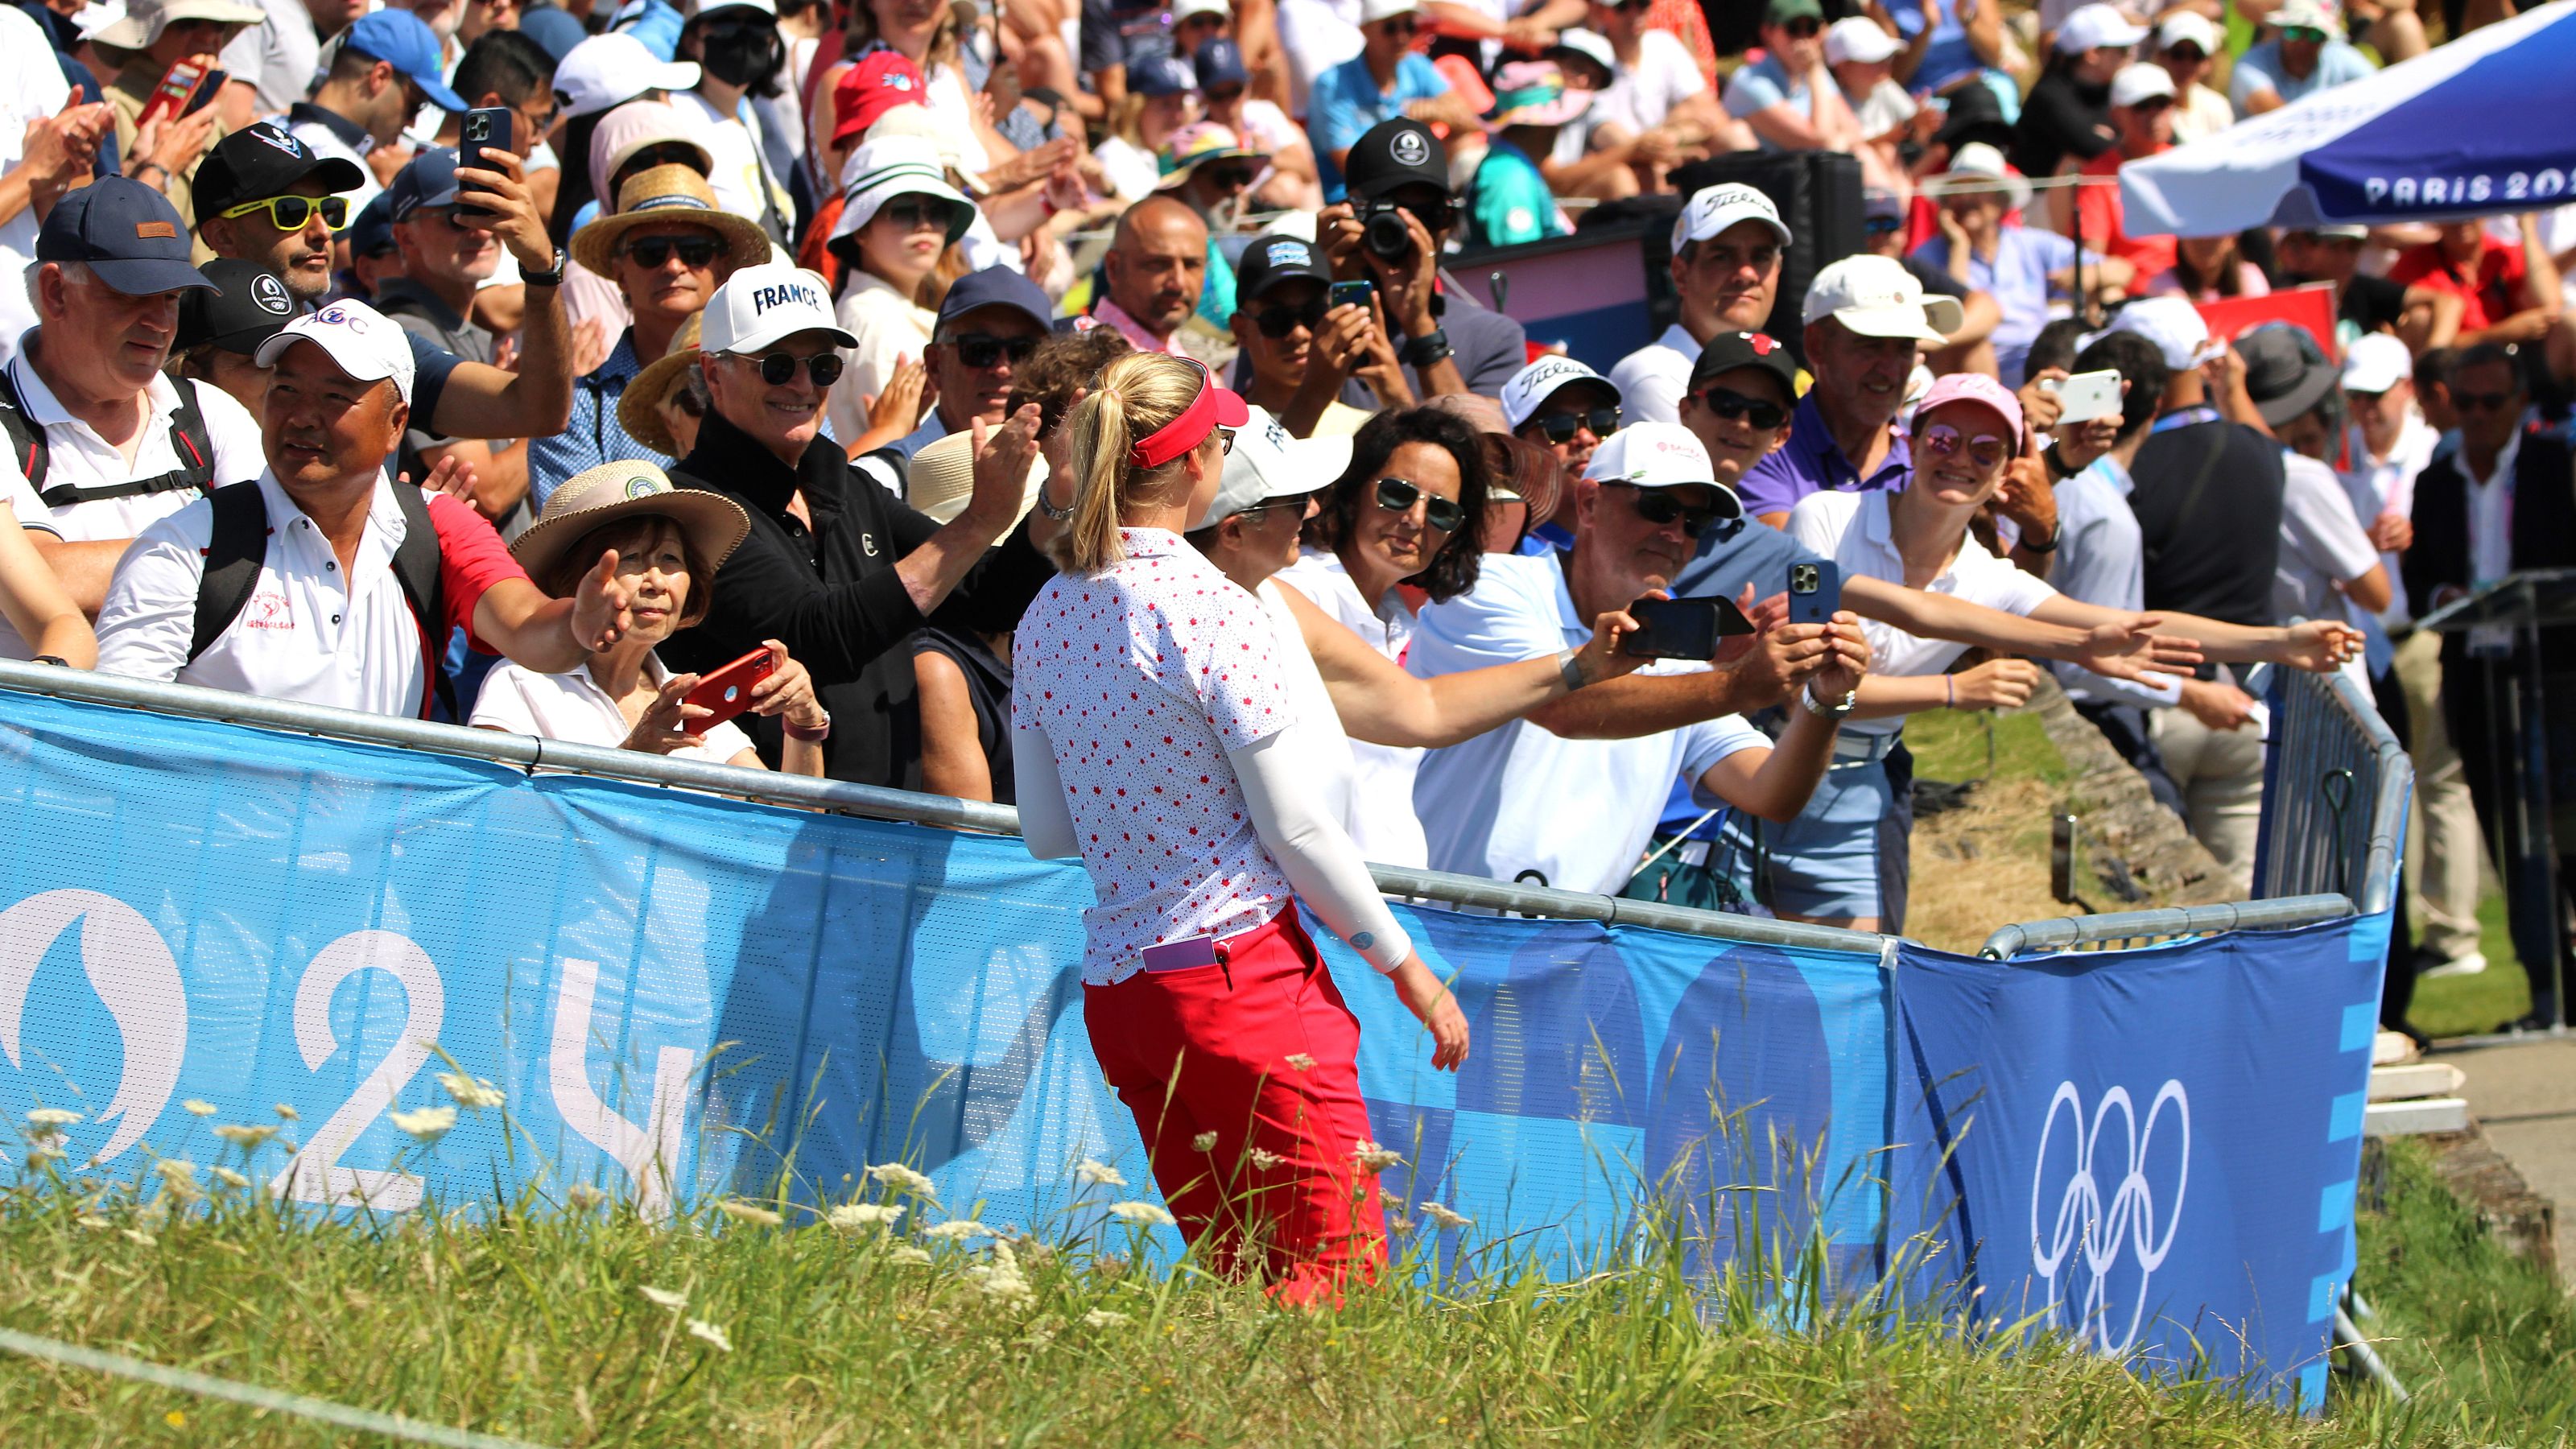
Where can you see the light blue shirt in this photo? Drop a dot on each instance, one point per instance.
(1762, 85)
(2101, 560)
(2260, 69)
(2018, 281)
(1346, 102)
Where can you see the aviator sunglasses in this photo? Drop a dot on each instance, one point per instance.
(1395, 495)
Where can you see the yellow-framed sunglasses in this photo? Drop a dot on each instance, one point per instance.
(290, 213)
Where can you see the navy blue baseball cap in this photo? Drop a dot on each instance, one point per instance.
(1161, 75)
(996, 287)
(128, 233)
(428, 179)
(1220, 63)
(405, 41)
(553, 27)
(372, 229)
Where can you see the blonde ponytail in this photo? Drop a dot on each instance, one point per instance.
(1131, 398)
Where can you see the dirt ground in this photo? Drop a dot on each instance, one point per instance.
(1983, 865)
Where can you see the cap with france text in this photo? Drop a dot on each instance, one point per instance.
(128, 234)
(762, 306)
(1529, 389)
(264, 160)
(361, 341)
(1401, 152)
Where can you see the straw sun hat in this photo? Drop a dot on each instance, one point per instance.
(662, 195)
(942, 478)
(597, 497)
(639, 408)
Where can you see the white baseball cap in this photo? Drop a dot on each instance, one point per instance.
(363, 342)
(1539, 381)
(2187, 27)
(1184, 9)
(2313, 14)
(2142, 81)
(610, 70)
(2173, 324)
(1859, 38)
(1713, 209)
(761, 305)
(1267, 463)
(1373, 11)
(1876, 296)
(1652, 455)
(2092, 27)
(2376, 362)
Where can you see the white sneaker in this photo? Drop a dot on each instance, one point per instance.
(2469, 965)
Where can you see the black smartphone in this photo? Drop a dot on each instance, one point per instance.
(1683, 628)
(485, 126)
(1815, 591)
(1349, 294)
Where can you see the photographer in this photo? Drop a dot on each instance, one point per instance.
(1390, 233)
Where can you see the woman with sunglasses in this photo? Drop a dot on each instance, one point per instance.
(896, 239)
(1155, 736)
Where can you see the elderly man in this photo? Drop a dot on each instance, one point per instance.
(1155, 270)
(321, 581)
(1296, 353)
(1866, 318)
(108, 443)
(1726, 267)
(1569, 794)
(154, 36)
(988, 324)
(835, 567)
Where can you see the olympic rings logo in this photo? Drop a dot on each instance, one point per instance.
(2105, 1232)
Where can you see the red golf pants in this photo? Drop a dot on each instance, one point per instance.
(1206, 1050)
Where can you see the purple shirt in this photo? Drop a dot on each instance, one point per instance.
(1810, 463)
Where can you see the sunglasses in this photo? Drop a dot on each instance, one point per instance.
(1223, 96)
(1441, 515)
(1278, 322)
(2187, 54)
(1297, 501)
(1561, 427)
(2476, 402)
(1633, 7)
(2153, 104)
(1659, 508)
(1805, 27)
(2308, 33)
(984, 350)
(1232, 178)
(1732, 405)
(697, 253)
(1402, 25)
(915, 213)
(1882, 225)
(2363, 399)
(290, 213)
(1944, 441)
(779, 369)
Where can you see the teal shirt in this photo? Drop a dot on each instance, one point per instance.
(1512, 202)
(1216, 298)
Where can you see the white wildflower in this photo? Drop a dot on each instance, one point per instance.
(664, 1297)
(1204, 1142)
(1105, 1318)
(581, 1197)
(864, 1215)
(93, 1222)
(41, 1150)
(229, 1178)
(473, 1092)
(1399, 1224)
(140, 1236)
(1443, 1216)
(957, 1230)
(1300, 1062)
(51, 1117)
(1265, 1160)
(289, 1113)
(195, 1107)
(903, 1179)
(1140, 1212)
(748, 1212)
(178, 1173)
(243, 1136)
(1001, 1278)
(1373, 1158)
(907, 1254)
(428, 1124)
(1099, 1174)
(699, 1328)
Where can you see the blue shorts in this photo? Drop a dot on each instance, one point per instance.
(1845, 854)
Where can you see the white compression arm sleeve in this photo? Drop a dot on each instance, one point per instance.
(1046, 823)
(1314, 851)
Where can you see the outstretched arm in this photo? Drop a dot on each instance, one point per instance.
(1383, 705)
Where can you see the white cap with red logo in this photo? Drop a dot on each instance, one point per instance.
(1651, 455)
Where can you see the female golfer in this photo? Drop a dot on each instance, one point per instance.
(1152, 733)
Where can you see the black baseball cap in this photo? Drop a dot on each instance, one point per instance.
(1401, 152)
(128, 233)
(1271, 260)
(249, 306)
(265, 160)
(1728, 351)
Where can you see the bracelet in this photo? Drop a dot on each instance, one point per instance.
(1949, 691)
(56, 660)
(137, 173)
(2049, 547)
(1426, 350)
(1569, 667)
(814, 736)
(1807, 701)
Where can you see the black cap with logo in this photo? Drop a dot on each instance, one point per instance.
(265, 160)
(1727, 351)
(1271, 260)
(252, 307)
(1401, 152)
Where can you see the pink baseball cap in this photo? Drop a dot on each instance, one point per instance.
(1974, 387)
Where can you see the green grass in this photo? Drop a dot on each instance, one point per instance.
(1952, 745)
(2469, 1005)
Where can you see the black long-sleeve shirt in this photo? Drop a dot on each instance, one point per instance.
(832, 596)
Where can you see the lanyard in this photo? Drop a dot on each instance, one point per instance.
(2184, 419)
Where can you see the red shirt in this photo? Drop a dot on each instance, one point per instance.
(2491, 294)
(2098, 213)
(471, 558)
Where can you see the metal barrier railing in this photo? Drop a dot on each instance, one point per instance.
(532, 754)
(2336, 784)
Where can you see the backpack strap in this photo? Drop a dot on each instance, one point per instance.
(26, 440)
(234, 556)
(189, 442)
(417, 570)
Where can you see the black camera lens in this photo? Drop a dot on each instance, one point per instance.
(1385, 235)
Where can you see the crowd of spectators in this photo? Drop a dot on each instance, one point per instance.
(522, 365)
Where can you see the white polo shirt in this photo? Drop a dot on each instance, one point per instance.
(1520, 798)
(573, 708)
(75, 455)
(2387, 485)
(1382, 821)
(307, 633)
(1851, 529)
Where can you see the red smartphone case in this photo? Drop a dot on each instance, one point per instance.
(727, 691)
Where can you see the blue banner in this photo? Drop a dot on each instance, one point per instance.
(2152, 1152)
(684, 997)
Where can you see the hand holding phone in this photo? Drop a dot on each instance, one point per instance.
(2087, 396)
(185, 89)
(484, 128)
(1682, 628)
(1815, 591)
(726, 692)
(1349, 294)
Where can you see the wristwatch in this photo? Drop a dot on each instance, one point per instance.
(1424, 351)
(550, 277)
(1047, 507)
(2027, 546)
(814, 736)
(1807, 701)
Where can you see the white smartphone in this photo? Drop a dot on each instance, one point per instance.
(2088, 395)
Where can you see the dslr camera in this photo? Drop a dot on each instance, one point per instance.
(1383, 232)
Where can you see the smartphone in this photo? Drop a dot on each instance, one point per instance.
(2088, 395)
(727, 691)
(1183, 954)
(484, 126)
(185, 89)
(1815, 591)
(1350, 294)
(1683, 628)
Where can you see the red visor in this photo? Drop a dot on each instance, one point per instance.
(1213, 408)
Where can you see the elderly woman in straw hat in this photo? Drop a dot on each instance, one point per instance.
(667, 248)
(665, 545)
